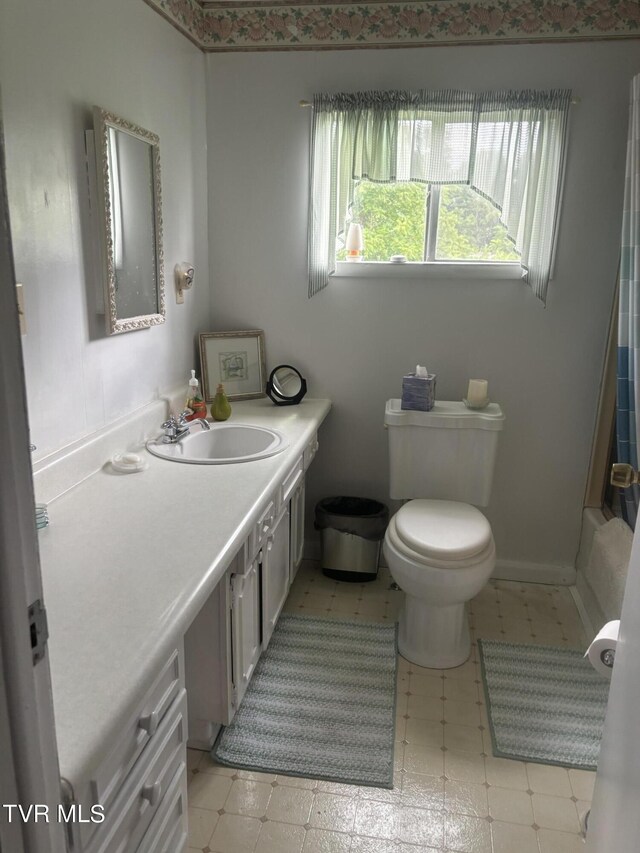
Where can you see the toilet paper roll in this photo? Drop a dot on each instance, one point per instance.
(601, 652)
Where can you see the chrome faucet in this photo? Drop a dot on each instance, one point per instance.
(177, 427)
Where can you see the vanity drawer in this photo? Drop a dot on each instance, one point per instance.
(142, 795)
(310, 451)
(168, 830)
(141, 730)
(291, 481)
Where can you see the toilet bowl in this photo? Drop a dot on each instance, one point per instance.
(441, 553)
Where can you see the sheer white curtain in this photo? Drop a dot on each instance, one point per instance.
(508, 146)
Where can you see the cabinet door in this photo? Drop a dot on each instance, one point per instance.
(245, 626)
(208, 664)
(275, 575)
(297, 530)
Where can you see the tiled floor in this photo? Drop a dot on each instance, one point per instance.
(449, 793)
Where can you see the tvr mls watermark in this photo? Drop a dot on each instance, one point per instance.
(40, 813)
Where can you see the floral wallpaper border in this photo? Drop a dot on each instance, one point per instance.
(309, 25)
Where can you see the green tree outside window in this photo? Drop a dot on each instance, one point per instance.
(394, 221)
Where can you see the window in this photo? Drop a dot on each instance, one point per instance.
(393, 218)
(438, 176)
(429, 223)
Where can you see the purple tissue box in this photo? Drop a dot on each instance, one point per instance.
(418, 392)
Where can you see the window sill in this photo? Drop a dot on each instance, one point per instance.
(428, 269)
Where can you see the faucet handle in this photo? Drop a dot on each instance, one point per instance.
(176, 420)
(176, 427)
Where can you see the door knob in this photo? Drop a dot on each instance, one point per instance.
(624, 475)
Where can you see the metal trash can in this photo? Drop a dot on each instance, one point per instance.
(352, 530)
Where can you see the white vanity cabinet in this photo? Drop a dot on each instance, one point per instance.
(233, 628)
(141, 783)
(177, 638)
(224, 643)
(297, 510)
(227, 637)
(275, 572)
(244, 629)
(296, 538)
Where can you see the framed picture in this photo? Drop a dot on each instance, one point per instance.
(237, 360)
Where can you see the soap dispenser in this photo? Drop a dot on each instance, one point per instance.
(220, 408)
(195, 401)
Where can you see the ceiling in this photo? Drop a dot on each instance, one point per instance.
(227, 25)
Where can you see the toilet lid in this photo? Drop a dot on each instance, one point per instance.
(442, 530)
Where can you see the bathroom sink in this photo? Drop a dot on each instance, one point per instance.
(223, 444)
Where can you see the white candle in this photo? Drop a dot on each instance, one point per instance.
(477, 392)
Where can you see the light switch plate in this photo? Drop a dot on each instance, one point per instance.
(21, 314)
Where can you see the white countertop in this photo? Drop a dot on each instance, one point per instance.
(128, 561)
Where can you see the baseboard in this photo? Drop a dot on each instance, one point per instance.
(517, 570)
(312, 549)
(587, 624)
(592, 520)
(506, 570)
(204, 736)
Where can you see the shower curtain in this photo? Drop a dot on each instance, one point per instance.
(628, 390)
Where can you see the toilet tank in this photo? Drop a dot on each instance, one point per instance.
(448, 453)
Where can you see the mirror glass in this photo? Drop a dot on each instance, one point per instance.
(286, 386)
(286, 381)
(129, 200)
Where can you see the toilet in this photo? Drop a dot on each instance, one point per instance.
(439, 547)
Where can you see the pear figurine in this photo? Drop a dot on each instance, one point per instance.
(221, 407)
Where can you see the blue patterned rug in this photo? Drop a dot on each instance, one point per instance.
(545, 704)
(321, 704)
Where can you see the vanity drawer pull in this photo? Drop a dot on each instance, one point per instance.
(264, 523)
(168, 829)
(150, 723)
(152, 793)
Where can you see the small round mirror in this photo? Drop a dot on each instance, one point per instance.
(286, 386)
(287, 382)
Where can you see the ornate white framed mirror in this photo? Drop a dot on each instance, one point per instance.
(129, 208)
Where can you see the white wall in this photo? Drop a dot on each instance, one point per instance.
(58, 59)
(354, 340)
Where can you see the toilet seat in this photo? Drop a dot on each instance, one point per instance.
(441, 534)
